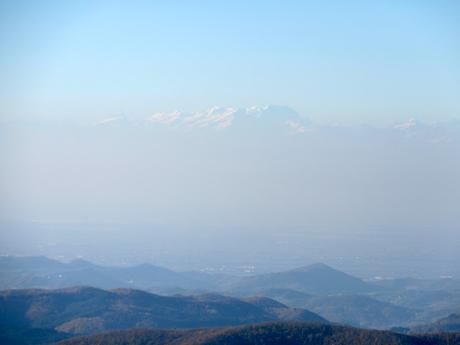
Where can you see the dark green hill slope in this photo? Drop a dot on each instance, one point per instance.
(286, 333)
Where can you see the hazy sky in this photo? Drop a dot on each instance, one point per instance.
(333, 61)
(335, 117)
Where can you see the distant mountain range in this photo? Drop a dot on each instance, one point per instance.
(285, 333)
(40, 272)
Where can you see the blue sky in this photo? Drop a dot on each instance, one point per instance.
(332, 61)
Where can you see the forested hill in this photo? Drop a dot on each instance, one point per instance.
(286, 333)
(85, 310)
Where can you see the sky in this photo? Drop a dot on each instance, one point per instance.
(178, 132)
(334, 61)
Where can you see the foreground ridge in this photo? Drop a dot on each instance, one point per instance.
(288, 333)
